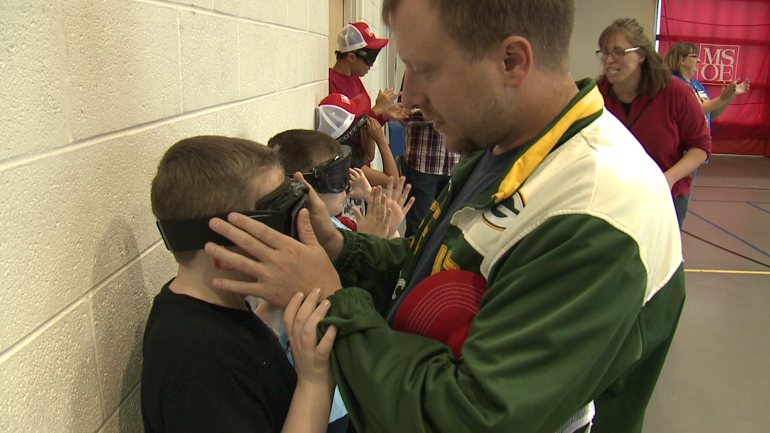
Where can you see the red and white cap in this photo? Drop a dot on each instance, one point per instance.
(336, 112)
(355, 36)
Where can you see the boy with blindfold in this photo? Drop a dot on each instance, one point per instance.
(325, 165)
(357, 50)
(210, 364)
(345, 120)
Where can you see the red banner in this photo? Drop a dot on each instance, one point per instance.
(734, 41)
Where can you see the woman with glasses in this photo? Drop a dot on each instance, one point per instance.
(682, 60)
(661, 113)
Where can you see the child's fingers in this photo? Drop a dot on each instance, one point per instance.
(324, 348)
(291, 312)
(305, 310)
(309, 335)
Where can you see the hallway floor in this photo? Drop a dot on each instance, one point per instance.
(716, 378)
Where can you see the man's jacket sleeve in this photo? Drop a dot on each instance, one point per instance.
(557, 310)
(372, 263)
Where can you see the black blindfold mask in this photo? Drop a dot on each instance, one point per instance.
(333, 176)
(367, 55)
(278, 210)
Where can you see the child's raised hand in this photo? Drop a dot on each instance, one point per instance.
(399, 202)
(360, 188)
(311, 357)
(375, 132)
(378, 215)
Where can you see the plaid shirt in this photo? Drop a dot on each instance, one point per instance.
(425, 149)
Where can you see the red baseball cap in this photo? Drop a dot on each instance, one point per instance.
(336, 112)
(355, 36)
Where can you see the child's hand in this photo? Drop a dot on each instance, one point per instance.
(375, 132)
(311, 357)
(378, 215)
(359, 185)
(399, 203)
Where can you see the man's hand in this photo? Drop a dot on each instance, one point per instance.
(328, 236)
(281, 266)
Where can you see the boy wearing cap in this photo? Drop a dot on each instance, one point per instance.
(210, 365)
(345, 120)
(357, 50)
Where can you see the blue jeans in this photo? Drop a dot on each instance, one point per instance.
(425, 189)
(680, 205)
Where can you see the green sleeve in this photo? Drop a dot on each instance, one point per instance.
(556, 312)
(372, 263)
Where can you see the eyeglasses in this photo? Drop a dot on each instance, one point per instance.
(693, 56)
(616, 53)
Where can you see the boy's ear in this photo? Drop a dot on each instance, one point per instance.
(220, 265)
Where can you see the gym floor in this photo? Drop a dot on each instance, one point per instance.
(716, 378)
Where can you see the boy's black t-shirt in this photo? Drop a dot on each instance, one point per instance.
(211, 369)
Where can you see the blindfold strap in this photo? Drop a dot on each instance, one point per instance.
(193, 234)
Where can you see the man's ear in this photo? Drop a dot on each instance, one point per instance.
(517, 59)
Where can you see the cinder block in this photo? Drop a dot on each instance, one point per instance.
(289, 52)
(123, 64)
(33, 90)
(268, 11)
(257, 59)
(70, 220)
(319, 16)
(299, 11)
(314, 64)
(209, 60)
(128, 418)
(120, 310)
(50, 384)
(204, 4)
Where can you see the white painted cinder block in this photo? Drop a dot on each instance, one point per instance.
(70, 220)
(123, 64)
(51, 383)
(257, 59)
(128, 418)
(33, 88)
(268, 11)
(120, 310)
(209, 60)
(299, 11)
(319, 16)
(287, 59)
(314, 63)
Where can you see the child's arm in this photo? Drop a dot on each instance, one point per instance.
(389, 168)
(311, 403)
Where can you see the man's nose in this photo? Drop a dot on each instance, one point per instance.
(412, 96)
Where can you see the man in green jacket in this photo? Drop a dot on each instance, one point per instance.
(542, 292)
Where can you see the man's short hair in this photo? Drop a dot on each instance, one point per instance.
(479, 25)
(208, 175)
(303, 149)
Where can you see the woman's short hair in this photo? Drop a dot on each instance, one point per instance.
(678, 52)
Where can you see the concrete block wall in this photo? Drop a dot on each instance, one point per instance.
(93, 92)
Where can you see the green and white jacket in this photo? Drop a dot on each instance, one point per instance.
(581, 252)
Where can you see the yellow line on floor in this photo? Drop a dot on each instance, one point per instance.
(726, 271)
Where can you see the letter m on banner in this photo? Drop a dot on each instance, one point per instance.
(719, 63)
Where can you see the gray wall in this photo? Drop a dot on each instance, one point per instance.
(591, 17)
